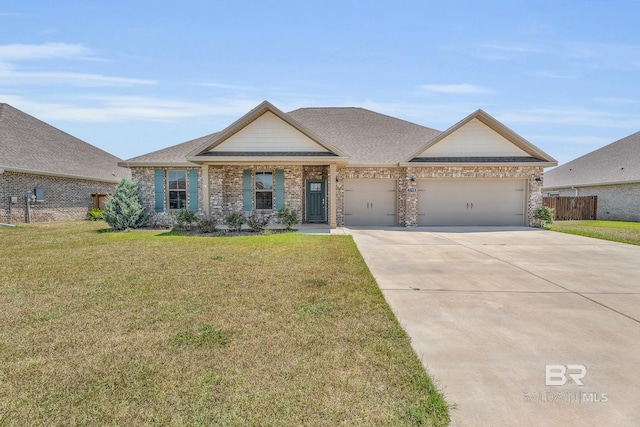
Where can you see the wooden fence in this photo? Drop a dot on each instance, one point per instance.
(572, 208)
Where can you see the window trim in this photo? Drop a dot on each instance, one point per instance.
(256, 190)
(185, 190)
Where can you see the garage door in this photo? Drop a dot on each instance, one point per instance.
(370, 202)
(471, 202)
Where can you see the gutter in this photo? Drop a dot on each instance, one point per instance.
(56, 174)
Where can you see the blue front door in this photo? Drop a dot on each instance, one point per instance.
(316, 200)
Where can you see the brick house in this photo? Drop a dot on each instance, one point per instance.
(348, 166)
(70, 175)
(612, 173)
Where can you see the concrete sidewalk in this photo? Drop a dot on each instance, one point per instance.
(489, 308)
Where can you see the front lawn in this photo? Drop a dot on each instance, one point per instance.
(618, 231)
(141, 328)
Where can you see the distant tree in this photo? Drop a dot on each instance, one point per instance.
(124, 209)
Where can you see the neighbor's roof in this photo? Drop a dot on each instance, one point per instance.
(365, 136)
(618, 162)
(33, 146)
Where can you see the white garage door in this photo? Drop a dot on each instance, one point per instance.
(471, 202)
(370, 202)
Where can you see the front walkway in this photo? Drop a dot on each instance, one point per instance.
(490, 310)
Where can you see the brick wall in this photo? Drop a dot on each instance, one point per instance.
(226, 182)
(65, 199)
(620, 202)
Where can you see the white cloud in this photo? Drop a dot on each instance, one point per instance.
(129, 108)
(571, 116)
(456, 89)
(10, 76)
(18, 52)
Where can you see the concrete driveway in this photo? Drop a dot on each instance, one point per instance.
(489, 308)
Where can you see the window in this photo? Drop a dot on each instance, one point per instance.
(177, 181)
(264, 190)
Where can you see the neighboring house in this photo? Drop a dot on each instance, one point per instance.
(612, 173)
(70, 174)
(348, 166)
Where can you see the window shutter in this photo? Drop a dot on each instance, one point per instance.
(279, 189)
(246, 190)
(159, 190)
(193, 190)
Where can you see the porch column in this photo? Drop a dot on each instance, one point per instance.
(332, 196)
(206, 195)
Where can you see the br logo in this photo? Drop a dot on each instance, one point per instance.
(557, 374)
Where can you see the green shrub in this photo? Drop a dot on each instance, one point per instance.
(544, 215)
(124, 209)
(257, 222)
(184, 219)
(94, 214)
(235, 221)
(207, 225)
(287, 217)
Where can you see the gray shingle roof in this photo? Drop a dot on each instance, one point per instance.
(174, 154)
(614, 163)
(513, 159)
(29, 144)
(365, 136)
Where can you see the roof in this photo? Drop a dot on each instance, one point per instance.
(32, 146)
(618, 162)
(364, 137)
(367, 137)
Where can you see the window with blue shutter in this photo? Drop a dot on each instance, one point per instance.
(279, 188)
(247, 204)
(159, 190)
(193, 190)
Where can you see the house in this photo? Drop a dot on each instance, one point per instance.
(348, 166)
(612, 173)
(70, 175)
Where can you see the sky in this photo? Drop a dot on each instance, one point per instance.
(131, 77)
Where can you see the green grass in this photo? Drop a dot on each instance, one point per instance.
(141, 328)
(617, 231)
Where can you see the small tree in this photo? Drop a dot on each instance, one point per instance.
(124, 209)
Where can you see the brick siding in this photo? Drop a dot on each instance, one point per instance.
(65, 199)
(619, 202)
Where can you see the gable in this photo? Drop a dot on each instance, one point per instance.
(268, 133)
(473, 139)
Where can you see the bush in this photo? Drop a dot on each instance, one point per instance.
(94, 214)
(207, 225)
(124, 209)
(544, 215)
(235, 221)
(287, 217)
(185, 218)
(257, 222)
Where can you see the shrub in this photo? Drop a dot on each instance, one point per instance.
(544, 215)
(287, 217)
(94, 214)
(124, 209)
(185, 218)
(207, 225)
(257, 222)
(235, 221)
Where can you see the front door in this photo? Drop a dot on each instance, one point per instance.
(316, 195)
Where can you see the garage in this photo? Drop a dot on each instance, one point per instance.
(471, 202)
(370, 202)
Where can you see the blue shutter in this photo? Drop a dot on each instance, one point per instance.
(279, 189)
(159, 190)
(193, 190)
(246, 190)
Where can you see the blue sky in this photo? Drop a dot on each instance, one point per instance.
(137, 76)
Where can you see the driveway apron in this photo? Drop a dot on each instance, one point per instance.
(517, 326)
